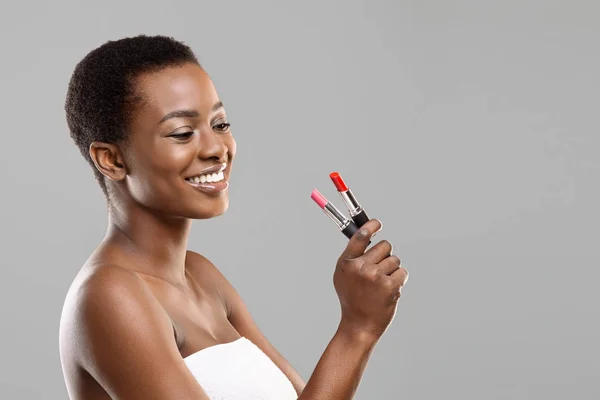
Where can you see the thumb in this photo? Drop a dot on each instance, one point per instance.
(359, 242)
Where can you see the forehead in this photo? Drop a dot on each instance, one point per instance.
(176, 88)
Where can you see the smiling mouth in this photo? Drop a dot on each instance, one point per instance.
(209, 175)
(207, 178)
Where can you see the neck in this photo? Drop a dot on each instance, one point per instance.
(157, 242)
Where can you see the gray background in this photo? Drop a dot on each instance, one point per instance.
(469, 128)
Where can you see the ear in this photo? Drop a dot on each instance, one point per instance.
(108, 160)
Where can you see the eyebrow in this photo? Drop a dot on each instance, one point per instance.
(188, 113)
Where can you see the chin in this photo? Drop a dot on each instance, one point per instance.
(207, 211)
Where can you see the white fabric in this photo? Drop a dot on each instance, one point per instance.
(239, 370)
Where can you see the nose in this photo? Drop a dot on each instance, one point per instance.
(212, 146)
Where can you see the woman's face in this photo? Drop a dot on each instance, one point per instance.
(178, 134)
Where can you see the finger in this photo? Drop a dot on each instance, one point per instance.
(378, 230)
(360, 240)
(378, 253)
(390, 265)
(399, 277)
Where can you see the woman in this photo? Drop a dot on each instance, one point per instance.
(147, 319)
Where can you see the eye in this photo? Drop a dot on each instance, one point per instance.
(182, 135)
(222, 127)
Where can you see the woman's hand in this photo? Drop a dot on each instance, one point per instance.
(368, 283)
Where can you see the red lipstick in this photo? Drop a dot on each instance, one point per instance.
(357, 212)
(345, 224)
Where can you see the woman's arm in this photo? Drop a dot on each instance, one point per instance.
(124, 339)
(341, 367)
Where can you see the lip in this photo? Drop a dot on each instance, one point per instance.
(213, 188)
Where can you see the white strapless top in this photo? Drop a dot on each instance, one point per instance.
(239, 370)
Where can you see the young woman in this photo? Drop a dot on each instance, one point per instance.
(147, 319)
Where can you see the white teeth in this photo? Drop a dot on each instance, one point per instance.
(214, 177)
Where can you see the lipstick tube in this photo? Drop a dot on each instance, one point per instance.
(346, 225)
(357, 212)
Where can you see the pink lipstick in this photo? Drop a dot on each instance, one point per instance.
(357, 212)
(345, 224)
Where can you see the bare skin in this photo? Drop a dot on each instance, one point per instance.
(143, 302)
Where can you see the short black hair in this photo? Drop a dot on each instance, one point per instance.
(101, 93)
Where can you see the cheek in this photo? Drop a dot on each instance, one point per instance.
(157, 164)
(171, 159)
(157, 176)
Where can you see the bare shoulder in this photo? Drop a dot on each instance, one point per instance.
(115, 330)
(98, 297)
(203, 270)
(207, 275)
(102, 285)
